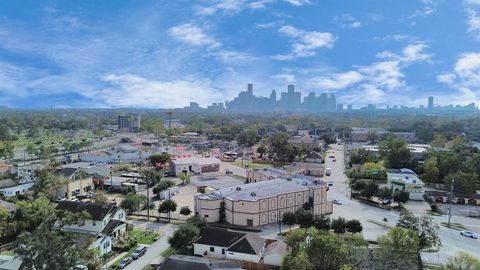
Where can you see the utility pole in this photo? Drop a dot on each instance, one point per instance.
(450, 203)
(170, 113)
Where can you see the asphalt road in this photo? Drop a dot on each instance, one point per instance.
(452, 241)
(154, 250)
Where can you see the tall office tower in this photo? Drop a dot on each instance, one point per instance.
(332, 103)
(309, 102)
(272, 103)
(124, 123)
(430, 102)
(250, 89)
(273, 96)
(339, 107)
(291, 100)
(349, 107)
(323, 102)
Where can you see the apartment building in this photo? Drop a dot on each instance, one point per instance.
(261, 203)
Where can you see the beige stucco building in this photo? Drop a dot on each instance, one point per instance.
(261, 203)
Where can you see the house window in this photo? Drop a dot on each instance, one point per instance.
(206, 216)
(94, 223)
(212, 249)
(223, 251)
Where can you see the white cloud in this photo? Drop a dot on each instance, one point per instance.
(304, 43)
(385, 74)
(192, 35)
(127, 90)
(285, 78)
(414, 52)
(465, 77)
(298, 2)
(473, 23)
(335, 81)
(233, 57)
(347, 21)
(259, 4)
(473, 2)
(429, 7)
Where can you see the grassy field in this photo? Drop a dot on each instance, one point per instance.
(250, 165)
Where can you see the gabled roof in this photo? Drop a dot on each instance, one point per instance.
(278, 247)
(219, 237)
(67, 172)
(7, 183)
(97, 211)
(250, 244)
(111, 226)
(184, 262)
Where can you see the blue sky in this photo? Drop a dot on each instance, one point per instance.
(163, 54)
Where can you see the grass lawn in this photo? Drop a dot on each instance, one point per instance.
(250, 165)
(148, 267)
(144, 238)
(8, 253)
(455, 226)
(167, 252)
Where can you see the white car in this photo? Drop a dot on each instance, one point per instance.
(469, 234)
(335, 201)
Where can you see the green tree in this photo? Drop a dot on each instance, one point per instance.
(439, 141)
(280, 149)
(358, 186)
(338, 225)
(398, 249)
(401, 196)
(372, 137)
(6, 149)
(166, 207)
(197, 221)
(395, 153)
(462, 261)
(47, 183)
(185, 210)
(183, 237)
(304, 218)
(163, 185)
(431, 174)
(464, 182)
(322, 223)
(361, 156)
(132, 202)
(353, 226)
(299, 262)
(384, 193)
(289, 219)
(99, 197)
(370, 190)
(261, 150)
(152, 177)
(159, 158)
(184, 177)
(36, 250)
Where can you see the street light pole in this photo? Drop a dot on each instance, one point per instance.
(450, 204)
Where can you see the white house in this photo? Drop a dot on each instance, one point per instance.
(225, 244)
(10, 188)
(104, 220)
(101, 243)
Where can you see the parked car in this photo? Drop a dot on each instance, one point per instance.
(60, 199)
(386, 201)
(335, 201)
(330, 183)
(469, 234)
(227, 171)
(334, 160)
(139, 252)
(331, 156)
(124, 263)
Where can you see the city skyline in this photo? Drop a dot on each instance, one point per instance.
(151, 55)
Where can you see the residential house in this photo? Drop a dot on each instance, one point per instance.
(104, 219)
(225, 244)
(10, 188)
(10, 207)
(306, 142)
(184, 262)
(76, 185)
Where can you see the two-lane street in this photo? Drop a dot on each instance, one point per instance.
(452, 241)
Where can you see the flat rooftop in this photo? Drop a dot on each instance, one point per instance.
(218, 182)
(405, 176)
(266, 189)
(196, 160)
(272, 172)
